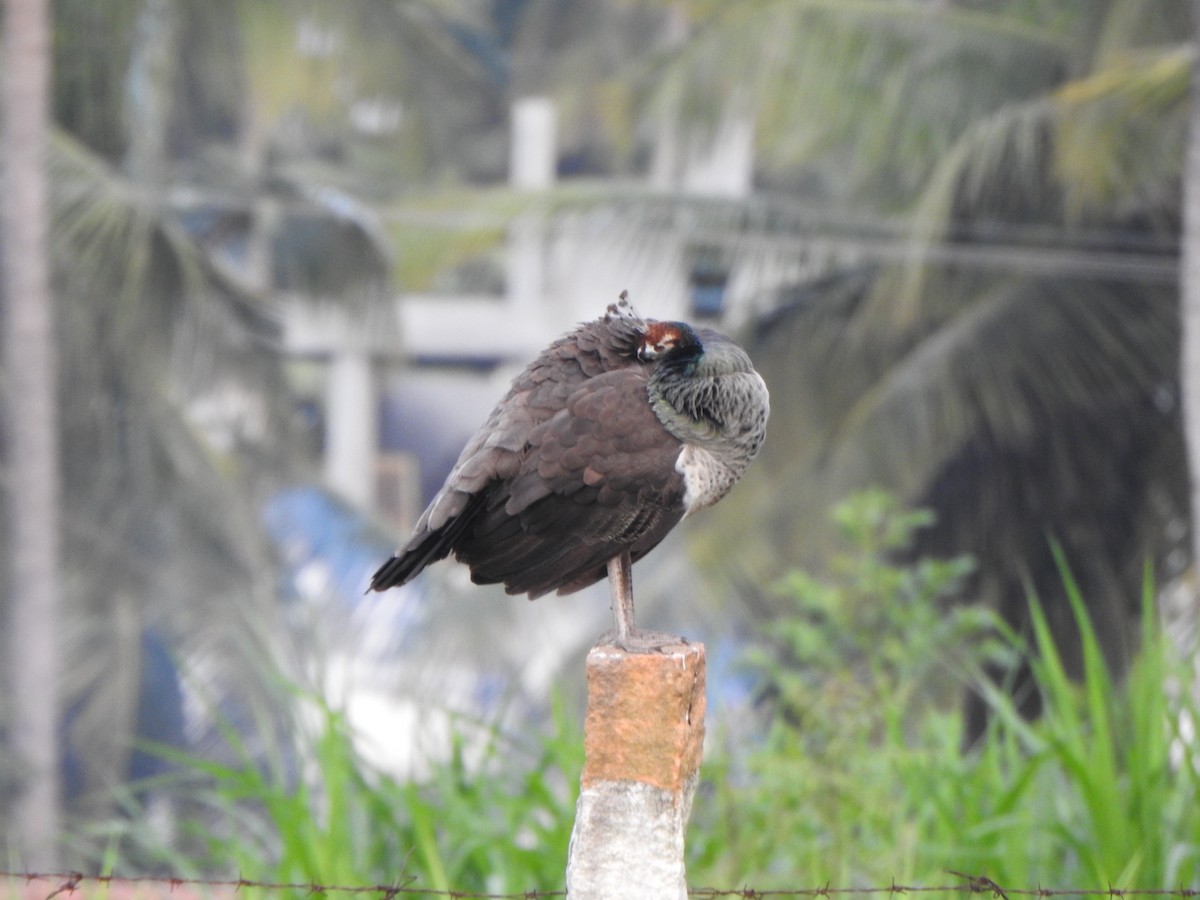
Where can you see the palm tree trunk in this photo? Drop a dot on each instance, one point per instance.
(1190, 296)
(31, 436)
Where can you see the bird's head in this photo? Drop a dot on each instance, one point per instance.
(668, 342)
(679, 348)
(704, 390)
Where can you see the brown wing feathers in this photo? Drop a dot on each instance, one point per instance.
(598, 478)
(570, 468)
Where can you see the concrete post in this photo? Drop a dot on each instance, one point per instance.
(644, 738)
(351, 426)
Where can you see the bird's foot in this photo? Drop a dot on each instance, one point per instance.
(641, 641)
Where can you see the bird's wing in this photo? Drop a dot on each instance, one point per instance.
(598, 477)
(494, 452)
(541, 392)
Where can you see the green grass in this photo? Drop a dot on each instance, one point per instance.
(493, 818)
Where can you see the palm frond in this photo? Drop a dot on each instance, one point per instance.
(880, 87)
(1022, 394)
(155, 521)
(1103, 142)
(1120, 130)
(1004, 364)
(1002, 155)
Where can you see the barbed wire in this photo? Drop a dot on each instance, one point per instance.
(67, 883)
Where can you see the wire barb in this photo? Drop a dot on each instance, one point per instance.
(68, 886)
(977, 884)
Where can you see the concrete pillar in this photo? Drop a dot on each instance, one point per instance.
(533, 153)
(351, 426)
(665, 165)
(721, 163)
(644, 738)
(533, 144)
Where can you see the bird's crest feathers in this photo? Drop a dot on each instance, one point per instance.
(623, 309)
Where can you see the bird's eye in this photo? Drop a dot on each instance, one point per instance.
(652, 350)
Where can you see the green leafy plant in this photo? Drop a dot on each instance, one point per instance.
(856, 680)
(875, 635)
(859, 778)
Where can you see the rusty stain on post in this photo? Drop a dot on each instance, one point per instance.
(645, 718)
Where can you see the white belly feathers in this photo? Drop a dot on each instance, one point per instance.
(706, 479)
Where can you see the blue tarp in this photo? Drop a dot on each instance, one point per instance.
(310, 526)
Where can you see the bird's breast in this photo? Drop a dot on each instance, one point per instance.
(706, 478)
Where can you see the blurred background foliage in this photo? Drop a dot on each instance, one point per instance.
(1005, 354)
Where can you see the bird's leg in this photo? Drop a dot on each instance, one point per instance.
(620, 588)
(627, 635)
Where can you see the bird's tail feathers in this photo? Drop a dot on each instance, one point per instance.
(424, 549)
